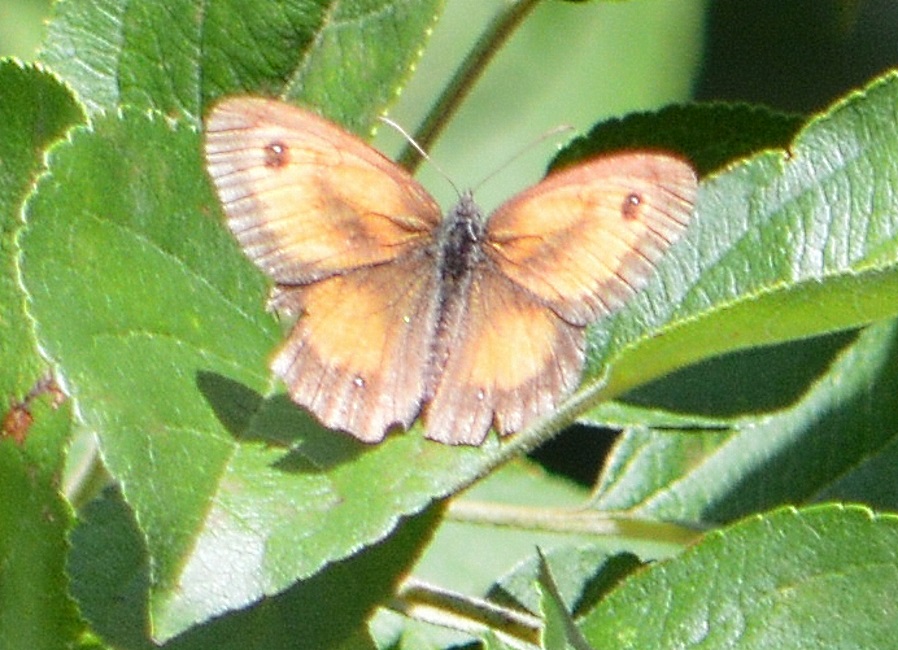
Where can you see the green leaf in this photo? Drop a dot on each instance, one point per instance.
(35, 607)
(346, 58)
(823, 577)
(170, 370)
(709, 135)
(559, 630)
(110, 574)
(109, 570)
(782, 247)
(35, 110)
(581, 574)
(724, 390)
(837, 443)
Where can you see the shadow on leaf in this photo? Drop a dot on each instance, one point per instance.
(276, 421)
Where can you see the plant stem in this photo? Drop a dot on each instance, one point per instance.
(419, 600)
(533, 436)
(490, 42)
(578, 522)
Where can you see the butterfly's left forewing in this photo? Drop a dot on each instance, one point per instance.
(585, 239)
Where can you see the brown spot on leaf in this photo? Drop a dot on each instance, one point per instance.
(18, 418)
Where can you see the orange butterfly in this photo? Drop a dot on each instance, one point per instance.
(480, 322)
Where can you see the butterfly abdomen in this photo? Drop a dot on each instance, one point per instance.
(459, 253)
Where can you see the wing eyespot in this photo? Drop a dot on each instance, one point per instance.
(630, 206)
(276, 154)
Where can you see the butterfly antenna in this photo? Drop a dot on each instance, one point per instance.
(551, 133)
(420, 150)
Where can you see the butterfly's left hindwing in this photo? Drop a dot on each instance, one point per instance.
(509, 360)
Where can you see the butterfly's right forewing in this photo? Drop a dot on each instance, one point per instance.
(304, 198)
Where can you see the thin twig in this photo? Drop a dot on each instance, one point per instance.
(490, 42)
(422, 601)
(576, 522)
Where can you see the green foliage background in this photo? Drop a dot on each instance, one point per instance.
(747, 502)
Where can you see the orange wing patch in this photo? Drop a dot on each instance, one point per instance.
(585, 239)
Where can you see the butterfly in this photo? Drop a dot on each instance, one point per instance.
(402, 311)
